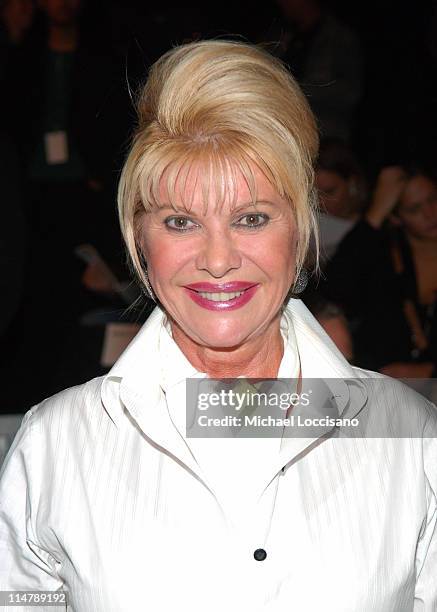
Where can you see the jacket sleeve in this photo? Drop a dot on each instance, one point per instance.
(425, 596)
(24, 564)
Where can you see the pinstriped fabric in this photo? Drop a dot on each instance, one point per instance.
(98, 497)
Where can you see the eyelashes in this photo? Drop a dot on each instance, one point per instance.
(179, 223)
(256, 220)
(249, 221)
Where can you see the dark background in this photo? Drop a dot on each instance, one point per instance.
(397, 114)
(396, 118)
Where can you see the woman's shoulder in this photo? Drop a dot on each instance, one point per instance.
(68, 424)
(69, 406)
(403, 408)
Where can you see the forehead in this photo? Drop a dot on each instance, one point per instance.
(417, 190)
(200, 187)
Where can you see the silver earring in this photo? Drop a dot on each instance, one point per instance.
(148, 286)
(301, 282)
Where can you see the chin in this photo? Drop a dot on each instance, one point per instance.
(222, 338)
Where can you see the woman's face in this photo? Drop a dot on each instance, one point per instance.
(221, 276)
(334, 193)
(417, 210)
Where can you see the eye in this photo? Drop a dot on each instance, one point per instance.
(253, 220)
(181, 224)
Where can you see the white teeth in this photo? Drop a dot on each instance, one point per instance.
(220, 297)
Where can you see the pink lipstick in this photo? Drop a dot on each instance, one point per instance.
(213, 296)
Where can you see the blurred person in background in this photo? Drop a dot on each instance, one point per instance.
(331, 317)
(342, 193)
(61, 74)
(59, 109)
(326, 58)
(384, 275)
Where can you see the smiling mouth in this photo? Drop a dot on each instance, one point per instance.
(227, 296)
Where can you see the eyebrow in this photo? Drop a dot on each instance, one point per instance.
(420, 202)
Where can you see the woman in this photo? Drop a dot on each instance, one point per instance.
(105, 494)
(392, 254)
(342, 188)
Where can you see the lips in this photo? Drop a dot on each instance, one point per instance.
(221, 296)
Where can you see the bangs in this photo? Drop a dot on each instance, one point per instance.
(172, 173)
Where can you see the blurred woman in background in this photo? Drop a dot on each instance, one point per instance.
(342, 192)
(384, 275)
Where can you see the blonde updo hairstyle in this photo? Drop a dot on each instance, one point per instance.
(221, 106)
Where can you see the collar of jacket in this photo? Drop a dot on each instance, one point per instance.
(131, 389)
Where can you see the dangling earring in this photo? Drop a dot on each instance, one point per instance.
(301, 282)
(148, 286)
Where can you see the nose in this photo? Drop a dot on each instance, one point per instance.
(219, 254)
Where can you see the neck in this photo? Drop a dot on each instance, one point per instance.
(63, 38)
(259, 358)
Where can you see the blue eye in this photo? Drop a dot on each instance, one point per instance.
(253, 220)
(180, 224)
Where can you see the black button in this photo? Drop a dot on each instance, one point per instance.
(260, 554)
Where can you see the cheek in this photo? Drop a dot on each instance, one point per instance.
(166, 258)
(343, 192)
(412, 224)
(162, 265)
(277, 256)
(153, 243)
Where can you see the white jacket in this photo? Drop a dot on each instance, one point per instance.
(100, 495)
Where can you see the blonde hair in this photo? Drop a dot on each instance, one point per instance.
(225, 106)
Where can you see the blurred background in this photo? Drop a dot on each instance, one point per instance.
(69, 70)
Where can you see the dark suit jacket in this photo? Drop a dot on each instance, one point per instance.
(99, 117)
